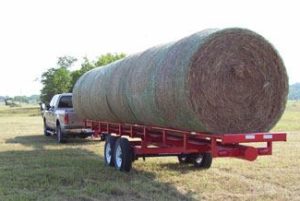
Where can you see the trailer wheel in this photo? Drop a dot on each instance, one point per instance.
(59, 134)
(123, 156)
(109, 150)
(103, 136)
(185, 158)
(203, 160)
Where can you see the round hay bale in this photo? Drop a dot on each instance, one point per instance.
(217, 81)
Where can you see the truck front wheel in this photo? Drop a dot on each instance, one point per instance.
(46, 129)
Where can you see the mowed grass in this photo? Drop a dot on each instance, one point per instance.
(35, 167)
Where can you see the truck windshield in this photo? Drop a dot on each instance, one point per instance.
(65, 102)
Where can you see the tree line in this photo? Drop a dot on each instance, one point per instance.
(61, 79)
(17, 100)
(294, 92)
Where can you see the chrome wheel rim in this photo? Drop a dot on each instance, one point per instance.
(183, 158)
(108, 153)
(199, 159)
(119, 157)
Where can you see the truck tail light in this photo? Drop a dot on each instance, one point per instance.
(66, 119)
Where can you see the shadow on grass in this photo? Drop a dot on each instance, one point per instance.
(40, 141)
(75, 174)
(180, 168)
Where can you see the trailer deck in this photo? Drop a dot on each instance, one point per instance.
(127, 142)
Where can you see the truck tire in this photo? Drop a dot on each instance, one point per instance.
(109, 150)
(59, 134)
(185, 158)
(123, 155)
(203, 160)
(46, 129)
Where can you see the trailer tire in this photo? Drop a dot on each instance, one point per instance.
(110, 142)
(103, 136)
(83, 135)
(123, 155)
(203, 160)
(59, 134)
(185, 158)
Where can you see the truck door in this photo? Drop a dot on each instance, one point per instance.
(51, 113)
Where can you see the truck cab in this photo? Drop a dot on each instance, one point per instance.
(61, 120)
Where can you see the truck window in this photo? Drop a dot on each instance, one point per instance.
(53, 101)
(65, 102)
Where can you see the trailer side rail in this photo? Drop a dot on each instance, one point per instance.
(149, 141)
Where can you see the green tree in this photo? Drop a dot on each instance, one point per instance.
(108, 58)
(61, 79)
(21, 99)
(57, 80)
(85, 66)
(88, 65)
(294, 92)
(66, 61)
(34, 99)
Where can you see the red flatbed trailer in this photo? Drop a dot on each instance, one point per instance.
(127, 142)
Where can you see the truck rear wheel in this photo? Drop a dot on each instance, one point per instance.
(203, 160)
(59, 134)
(109, 146)
(123, 155)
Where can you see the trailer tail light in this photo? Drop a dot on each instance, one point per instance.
(66, 119)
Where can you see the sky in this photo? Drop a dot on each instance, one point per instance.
(34, 33)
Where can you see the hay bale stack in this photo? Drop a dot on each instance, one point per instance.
(218, 81)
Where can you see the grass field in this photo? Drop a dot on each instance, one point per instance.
(35, 167)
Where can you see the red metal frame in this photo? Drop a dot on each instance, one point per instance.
(156, 141)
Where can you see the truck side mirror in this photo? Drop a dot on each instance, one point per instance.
(48, 106)
(42, 106)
